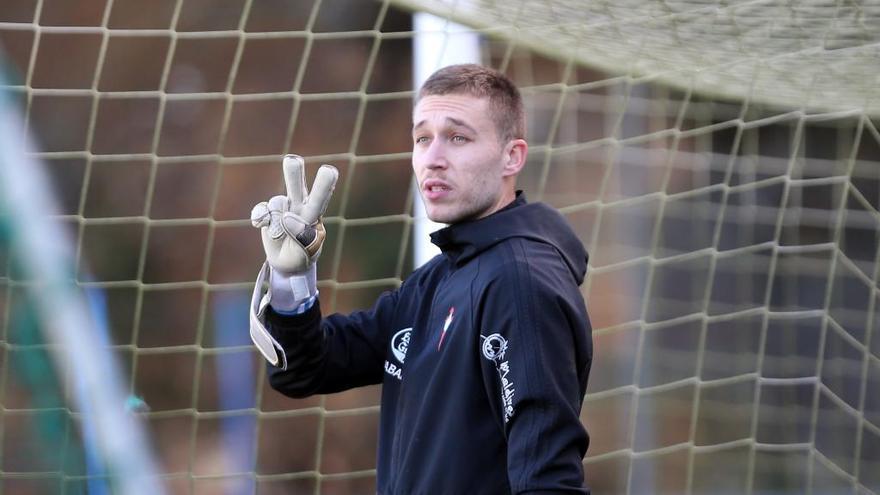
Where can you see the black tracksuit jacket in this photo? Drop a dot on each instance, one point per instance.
(483, 353)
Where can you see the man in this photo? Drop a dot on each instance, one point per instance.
(483, 352)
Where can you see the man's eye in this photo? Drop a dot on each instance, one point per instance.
(459, 139)
(420, 139)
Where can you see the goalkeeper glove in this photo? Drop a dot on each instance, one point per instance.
(292, 234)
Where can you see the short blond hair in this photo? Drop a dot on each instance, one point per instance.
(505, 102)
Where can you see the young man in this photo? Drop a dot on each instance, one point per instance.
(483, 352)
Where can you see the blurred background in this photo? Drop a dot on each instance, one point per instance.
(733, 229)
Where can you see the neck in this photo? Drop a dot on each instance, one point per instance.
(503, 200)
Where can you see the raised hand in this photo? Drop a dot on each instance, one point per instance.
(291, 225)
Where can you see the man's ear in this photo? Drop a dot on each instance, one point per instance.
(515, 153)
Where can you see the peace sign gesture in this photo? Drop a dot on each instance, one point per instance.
(291, 225)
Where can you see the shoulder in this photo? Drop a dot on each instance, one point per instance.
(522, 256)
(525, 266)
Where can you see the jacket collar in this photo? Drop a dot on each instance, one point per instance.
(536, 222)
(462, 241)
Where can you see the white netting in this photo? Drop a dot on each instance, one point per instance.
(720, 163)
(821, 54)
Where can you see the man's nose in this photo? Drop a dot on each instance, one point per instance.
(435, 155)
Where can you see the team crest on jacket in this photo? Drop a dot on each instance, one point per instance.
(446, 324)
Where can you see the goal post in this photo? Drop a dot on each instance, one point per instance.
(719, 162)
(437, 43)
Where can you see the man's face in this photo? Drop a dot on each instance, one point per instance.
(458, 158)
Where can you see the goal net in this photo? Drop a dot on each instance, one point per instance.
(720, 162)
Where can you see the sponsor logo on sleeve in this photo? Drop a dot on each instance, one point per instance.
(399, 346)
(494, 348)
(400, 343)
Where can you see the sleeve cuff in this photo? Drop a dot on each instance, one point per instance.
(298, 310)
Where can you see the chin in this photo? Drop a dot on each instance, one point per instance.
(440, 216)
(452, 218)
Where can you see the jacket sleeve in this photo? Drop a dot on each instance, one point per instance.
(536, 352)
(332, 354)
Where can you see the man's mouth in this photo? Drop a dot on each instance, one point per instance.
(435, 189)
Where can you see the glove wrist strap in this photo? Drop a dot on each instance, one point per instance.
(267, 345)
(287, 293)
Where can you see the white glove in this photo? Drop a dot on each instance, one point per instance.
(293, 235)
(291, 225)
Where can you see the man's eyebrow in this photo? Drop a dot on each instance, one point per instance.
(461, 123)
(454, 121)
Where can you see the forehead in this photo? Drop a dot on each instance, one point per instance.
(469, 109)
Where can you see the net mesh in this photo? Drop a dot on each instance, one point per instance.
(818, 53)
(718, 161)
